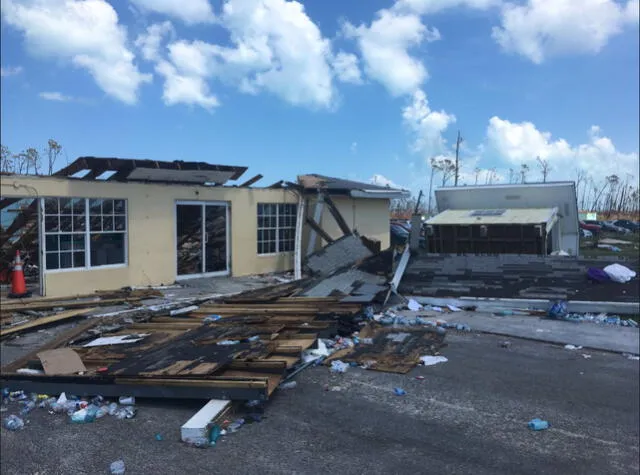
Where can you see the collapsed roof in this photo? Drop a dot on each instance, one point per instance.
(124, 169)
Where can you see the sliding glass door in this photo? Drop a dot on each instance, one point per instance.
(202, 231)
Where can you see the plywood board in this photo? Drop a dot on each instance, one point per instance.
(61, 361)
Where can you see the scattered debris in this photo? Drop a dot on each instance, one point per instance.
(338, 366)
(399, 391)
(413, 305)
(538, 424)
(619, 273)
(586, 356)
(117, 467)
(631, 357)
(432, 360)
(572, 347)
(505, 344)
(288, 385)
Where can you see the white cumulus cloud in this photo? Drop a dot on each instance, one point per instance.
(150, 41)
(85, 33)
(385, 48)
(426, 124)
(423, 7)
(382, 180)
(518, 143)
(542, 28)
(185, 88)
(345, 66)
(189, 11)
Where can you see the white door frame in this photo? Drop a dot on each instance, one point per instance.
(203, 205)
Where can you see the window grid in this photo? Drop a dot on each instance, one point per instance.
(69, 240)
(276, 227)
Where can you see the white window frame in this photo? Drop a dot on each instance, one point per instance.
(87, 236)
(277, 228)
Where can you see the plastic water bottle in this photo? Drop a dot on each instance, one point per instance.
(117, 467)
(235, 425)
(112, 409)
(538, 424)
(27, 407)
(13, 423)
(127, 400)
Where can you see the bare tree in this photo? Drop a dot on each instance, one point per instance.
(477, 172)
(447, 167)
(545, 168)
(581, 184)
(53, 150)
(511, 175)
(7, 162)
(524, 169)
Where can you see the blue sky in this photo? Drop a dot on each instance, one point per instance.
(351, 88)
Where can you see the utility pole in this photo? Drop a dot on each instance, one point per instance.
(430, 188)
(458, 141)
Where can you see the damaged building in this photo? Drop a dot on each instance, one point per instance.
(536, 218)
(103, 223)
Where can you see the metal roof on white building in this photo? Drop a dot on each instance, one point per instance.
(495, 216)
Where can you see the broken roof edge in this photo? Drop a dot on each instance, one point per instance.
(314, 182)
(506, 185)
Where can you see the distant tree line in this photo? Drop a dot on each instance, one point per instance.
(31, 161)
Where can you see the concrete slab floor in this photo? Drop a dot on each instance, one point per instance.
(468, 415)
(588, 335)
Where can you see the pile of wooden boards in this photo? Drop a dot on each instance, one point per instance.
(35, 313)
(242, 351)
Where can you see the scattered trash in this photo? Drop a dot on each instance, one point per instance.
(288, 385)
(117, 467)
(597, 275)
(609, 247)
(538, 424)
(158, 437)
(558, 309)
(235, 425)
(419, 378)
(338, 366)
(13, 423)
(431, 360)
(211, 318)
(228, 342)
(586, 356)
(84, 416)
(619, 273)
(413, 305)
(453, 308)
(572, 347)
(128, 412)
(399, 391)
(629, 356)
(505, 344)
(127, 400)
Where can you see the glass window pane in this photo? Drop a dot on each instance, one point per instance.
(96, 223)
(51, 224)
(65, 206)
(120, 223)
(95, 207)
(107, 249)
(78, 259)
(107, 207)
(51, 205)
(78, 206)
(52, 260)
(271, 247)
(107, 223)
(65, 223)
(65, 242)
(78, 242)
(66, 261)
(51, 242)
(79, 223)
(119, 206)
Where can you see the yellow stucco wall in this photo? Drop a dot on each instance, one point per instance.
(151, 228)
(370, 217)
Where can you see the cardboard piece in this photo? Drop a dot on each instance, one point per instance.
(61, 361)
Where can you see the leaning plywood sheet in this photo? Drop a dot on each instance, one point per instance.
(395, 350)
(61, 361)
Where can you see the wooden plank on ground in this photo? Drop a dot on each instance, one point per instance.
(272, 379)
(41, 322)
(196, 430)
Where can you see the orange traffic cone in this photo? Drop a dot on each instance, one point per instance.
(18, 285)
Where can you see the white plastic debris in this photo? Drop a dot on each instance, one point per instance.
(619, 273)
(453, 308)
(338, 366)
(586, 356)
(413, 305)
(431, 360)
(572, 347)
(316, 353)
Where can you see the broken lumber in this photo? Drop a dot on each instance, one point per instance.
(41, 322)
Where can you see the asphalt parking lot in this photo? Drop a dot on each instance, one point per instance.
(468, 415)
